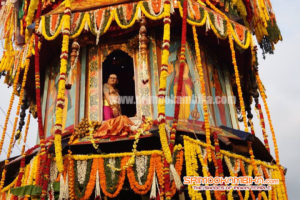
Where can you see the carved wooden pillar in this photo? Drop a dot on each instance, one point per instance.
(144, 92)
(73, 61)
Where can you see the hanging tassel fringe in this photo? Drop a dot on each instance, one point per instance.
(176, 178)
(63, 189)
(97, 189)
(153, 188)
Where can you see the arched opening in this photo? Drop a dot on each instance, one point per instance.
(121, 64)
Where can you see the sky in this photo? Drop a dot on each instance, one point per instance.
(280, 74)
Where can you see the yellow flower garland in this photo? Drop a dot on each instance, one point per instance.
(61, 86)
(163, 83)
(263, 96)
(145, 126)
(191, 167)
(9, 107)
(26, 133)
(115, 155)
(229, 154)
(15, 124)
(203, 92)
(30, 15)
(57, 32)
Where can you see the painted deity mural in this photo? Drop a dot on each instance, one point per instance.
(190, 97)
(218, 81)
(49, 99)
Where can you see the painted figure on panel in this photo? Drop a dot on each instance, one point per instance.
(69, 109)
(219, 94)
(187, 89)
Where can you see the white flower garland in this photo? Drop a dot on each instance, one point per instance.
(81, 170)
(141, 167)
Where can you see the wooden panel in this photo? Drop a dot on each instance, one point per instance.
(83, 61)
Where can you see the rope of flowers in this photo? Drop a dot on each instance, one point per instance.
(115, 155)
(218, 194)
(160, 175)
(263, 125)
(45, 176)
(206, 114)
(33, 6)
(233, 172)
(178, 166)
(182, 61)
(71, 176)
(61, 86)
(44, 168)
(162, 94)
(163, 82)
(244, 173)
(263, 96)
(11, 101)
(15, 124)
(22, 164)
(192, 167)
(203, 92)
(229, 154)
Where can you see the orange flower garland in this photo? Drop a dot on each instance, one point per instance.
(159, 172)
(103, 177)
(263, 96)
(10, 107)
(71, 176)
(203, 92)
(135, 186)
(16, 121)
(92, 181)
(178, 167)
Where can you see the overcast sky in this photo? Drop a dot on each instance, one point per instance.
(280, 74)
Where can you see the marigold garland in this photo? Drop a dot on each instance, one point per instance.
(30, 16)
(182, 62)
(163, 83)
(203, 92)
(15, 122)
(178, 167)
(22, 170)
(61, 86)
(10, 107)
(229, 154)
(263, 96)
(159, 172)
(263, 125)
(191, 168)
